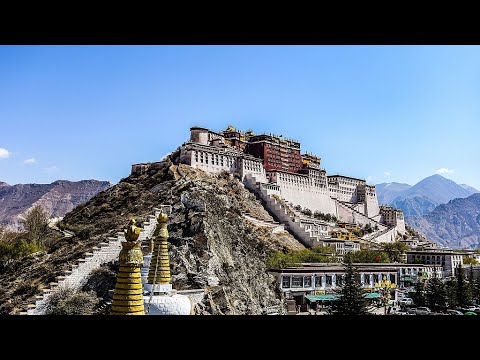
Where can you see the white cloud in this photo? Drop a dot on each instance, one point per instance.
(4, 153)
(51, 169)
(30, 161)
(369, 179)
(445, 171)
(387, 173)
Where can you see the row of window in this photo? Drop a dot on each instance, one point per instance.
(205, 157)
(306, 281)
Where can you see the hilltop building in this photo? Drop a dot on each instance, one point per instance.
(275, 166)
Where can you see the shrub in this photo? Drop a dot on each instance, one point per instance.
(307, 212)
(16, 249)
(68, 301)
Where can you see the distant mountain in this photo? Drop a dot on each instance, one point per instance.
(469, 188)
(387, 192)
(57, 198)
(3, 184)
(455, 224)
(415, 206)
(438, 189)
(424, 196)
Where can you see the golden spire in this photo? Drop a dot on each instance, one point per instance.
(159, 272)
(128, 294)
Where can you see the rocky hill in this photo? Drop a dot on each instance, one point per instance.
(56, 198)
(455, 224)
(212, 245)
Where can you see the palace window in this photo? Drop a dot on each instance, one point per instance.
(307, 281)
(318, 281)
(329, 280)
(285, 282)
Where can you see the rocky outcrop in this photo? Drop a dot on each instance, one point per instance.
(57, 198)
(212, 246)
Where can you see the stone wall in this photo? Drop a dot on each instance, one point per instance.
(104, 253)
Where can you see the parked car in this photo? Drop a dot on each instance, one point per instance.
(472, 308)
(406, 301)
(454, 312)
(422, 310)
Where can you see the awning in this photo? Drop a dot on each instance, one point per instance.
(372, 296)
(313, 298)
(321, 297)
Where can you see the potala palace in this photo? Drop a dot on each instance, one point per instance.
(287, 180)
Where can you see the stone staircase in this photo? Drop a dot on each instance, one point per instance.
(104, 252)
(383, 234)
(364, 219)
(281, 212)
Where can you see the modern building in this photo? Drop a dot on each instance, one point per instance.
(447, 259)
(325, 278)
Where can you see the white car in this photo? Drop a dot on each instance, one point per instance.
(405, 301)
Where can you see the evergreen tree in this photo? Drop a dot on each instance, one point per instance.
(451, 293)
(352, 300)
(476, 289)
(471, 285)
(435, 293)
(462, 288)
(419, 293)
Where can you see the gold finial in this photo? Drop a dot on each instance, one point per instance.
(162, 218)
(132, 232)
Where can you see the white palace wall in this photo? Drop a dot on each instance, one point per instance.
(299, 190)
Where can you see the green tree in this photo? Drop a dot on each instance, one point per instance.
(418, 296)
(368, 228)
(351, 295)
(476, 289)
(395, 250)
(470, 284)
(435, 293)
(307, 212)
(463, 297)
(469, 261)
(451, 293)
(36, 224)
(369, 256)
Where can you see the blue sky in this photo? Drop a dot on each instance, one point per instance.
(384, 113)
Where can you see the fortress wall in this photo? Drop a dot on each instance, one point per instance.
(388, 236)
(104, 253)
(372, 207)
(254, 168)
(210, 162)
(401, 226)
(344, 213)
(360, 208)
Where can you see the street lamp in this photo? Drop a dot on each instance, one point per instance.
(384, 287)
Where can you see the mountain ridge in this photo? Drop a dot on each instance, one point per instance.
(57, 198)
(454, 224)
(423, 197)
